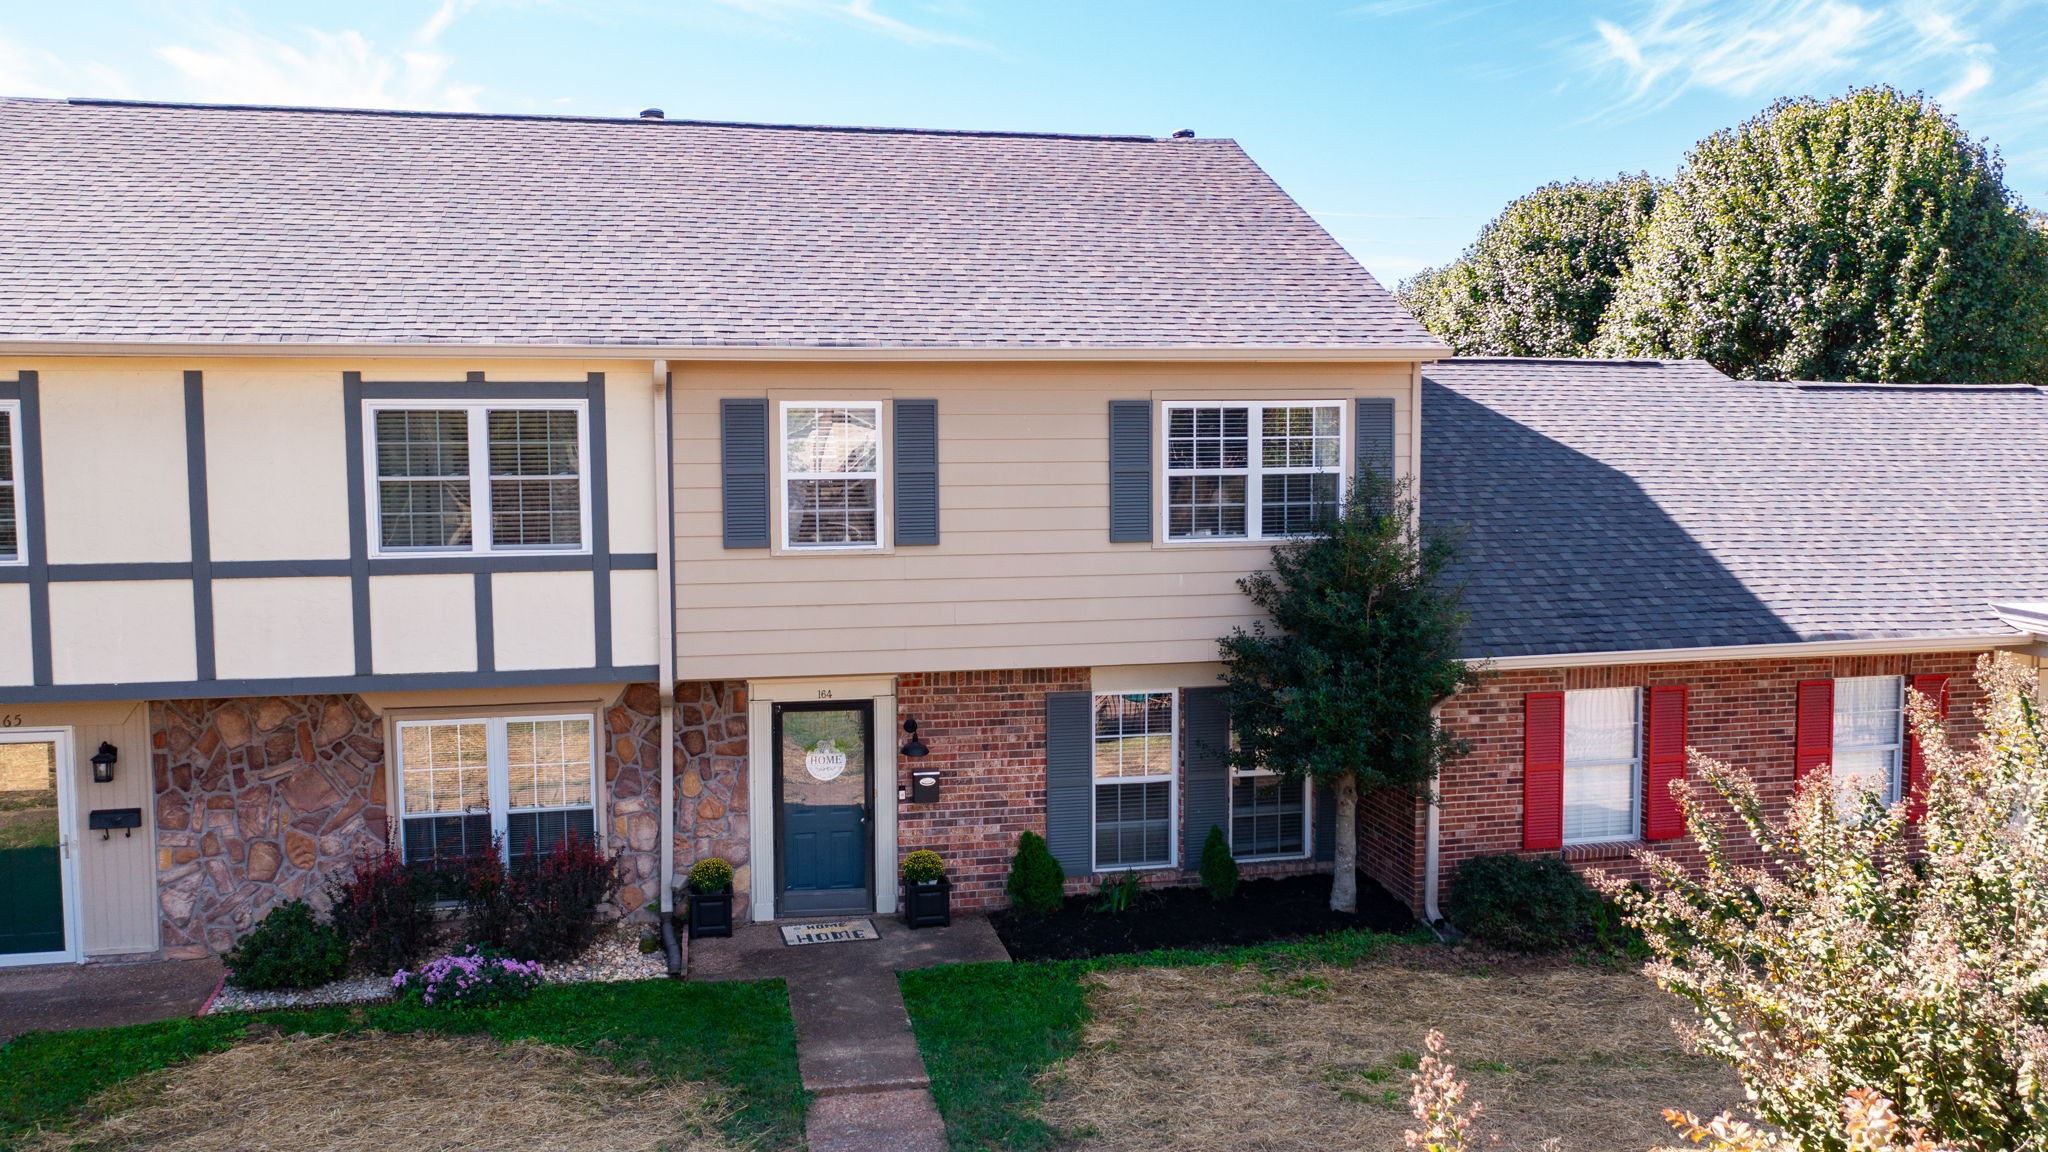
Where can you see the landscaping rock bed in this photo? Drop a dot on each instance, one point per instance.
(1288, 908)
(615, 956)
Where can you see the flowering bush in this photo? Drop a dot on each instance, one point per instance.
(475, 978)
(1437, 1098)
(1875, 983)
(923, 867)
(711, 875)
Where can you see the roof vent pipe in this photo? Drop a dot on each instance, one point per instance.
(652, 114)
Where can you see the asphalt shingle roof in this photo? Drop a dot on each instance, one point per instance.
(168, 223)
(1624, 506)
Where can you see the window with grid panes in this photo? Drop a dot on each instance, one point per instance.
(1869, 735)
(436, 465)
(1602, 765)
(527, 782)
(1252, 471)
(1134, 780)
(832, 475)
(10, 484)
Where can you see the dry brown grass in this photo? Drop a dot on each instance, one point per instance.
(418, 1093)
(1225, 1058)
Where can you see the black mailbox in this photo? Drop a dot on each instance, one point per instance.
(924, 786)
(105, 820)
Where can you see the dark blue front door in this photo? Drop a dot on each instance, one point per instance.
(821, 793)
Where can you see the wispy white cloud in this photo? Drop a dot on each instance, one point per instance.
(860, 14)
(232, 62)
(26, 71)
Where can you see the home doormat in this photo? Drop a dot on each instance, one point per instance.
(829, 932)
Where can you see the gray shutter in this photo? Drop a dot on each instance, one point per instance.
(1205, 801)
(1375, 439)
(917, 471)
(1070, 780)
(1326, 822)
(1130, 471)
(743, 441)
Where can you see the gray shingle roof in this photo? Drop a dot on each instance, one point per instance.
(167, 223)
(1622, 506)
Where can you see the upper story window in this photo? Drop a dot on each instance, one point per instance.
(526, 783)
(831, 457)
(1134, 779)
(1602, 765)
(1252, 471)
(1869, 733)
(490, 477)
(10, 484)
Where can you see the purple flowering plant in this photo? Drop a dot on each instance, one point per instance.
(471, 978)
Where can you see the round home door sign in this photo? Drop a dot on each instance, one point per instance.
(825, 762)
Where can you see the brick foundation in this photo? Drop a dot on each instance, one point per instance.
(1742, 712)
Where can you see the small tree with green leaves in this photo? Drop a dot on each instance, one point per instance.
(1363, 644)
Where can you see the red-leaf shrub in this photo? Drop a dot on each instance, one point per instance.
(547, 907)
(385, 910)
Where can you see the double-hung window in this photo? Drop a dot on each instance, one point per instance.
(1252, 471)
(1869, 733)
(10, 484)
(1134, 780)
(831, 461)
(1268, 815)
(1602, 765)
(489, 477)
(528, 783)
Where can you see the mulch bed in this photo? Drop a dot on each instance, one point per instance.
(1288, 908)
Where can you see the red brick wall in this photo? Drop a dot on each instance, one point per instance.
(1739, 711)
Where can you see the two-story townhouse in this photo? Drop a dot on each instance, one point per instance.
(441, 480)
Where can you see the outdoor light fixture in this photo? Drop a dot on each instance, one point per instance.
(103, 763)
(915, 748)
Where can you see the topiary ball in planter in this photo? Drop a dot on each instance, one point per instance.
(927, 894)
(711, 898)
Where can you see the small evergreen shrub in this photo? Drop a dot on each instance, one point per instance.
(1519, 903)
(385, 910)
(923, 866)
(1219, 867)
(1037, 882)
(476, 978)
(711, 875)
(547, 908)
(288, 949)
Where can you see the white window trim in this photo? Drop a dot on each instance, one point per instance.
(1254, 513)
(1308, 816)
(1172, 779)
(480, 543)
(497, 768)
(783, 475)
(13, 490)
(1635, 779)
(1895, 786)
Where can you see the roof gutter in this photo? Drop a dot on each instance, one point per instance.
(284, 349)
(1792, 650)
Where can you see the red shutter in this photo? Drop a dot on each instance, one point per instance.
(1543, 771)
(1664, 763)
(1935, 688)
(1815, 743)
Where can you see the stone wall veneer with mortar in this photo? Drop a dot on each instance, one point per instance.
(711, 783)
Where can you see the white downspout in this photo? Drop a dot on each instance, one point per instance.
(1430, 916)
(665, 618)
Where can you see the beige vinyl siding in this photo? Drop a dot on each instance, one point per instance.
(1024, 575)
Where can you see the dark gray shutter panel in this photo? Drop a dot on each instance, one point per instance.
(743, 441)
(917, 471)
(1326, 821)
(1375, 439)
(1205, 801)
(1130, 471)
(1070, 780)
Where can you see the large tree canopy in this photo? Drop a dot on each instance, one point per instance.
(1862, 238)
(1540, 276)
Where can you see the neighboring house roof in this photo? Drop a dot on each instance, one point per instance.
(1613, 506)
(130, 222)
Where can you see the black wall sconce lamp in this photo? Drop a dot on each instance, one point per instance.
(914, 748)
(103, 763)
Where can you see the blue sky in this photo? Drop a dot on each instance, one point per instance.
(1403, 125)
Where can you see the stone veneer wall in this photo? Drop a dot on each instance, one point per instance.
(711, 782)
(257, 801)
(1742, 712)
(632, 774)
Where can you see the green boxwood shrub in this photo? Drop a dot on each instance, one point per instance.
(1219, 867)
(923, 866)
(1038, 884)
(288, 949)
(1527, 904)
(711, 875)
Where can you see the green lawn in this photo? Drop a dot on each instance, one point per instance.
(987, 1031)
(739, 1037)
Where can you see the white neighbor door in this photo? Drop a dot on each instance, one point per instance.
(38, 858)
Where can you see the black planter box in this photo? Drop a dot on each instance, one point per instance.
(928, 905)
(710, 914)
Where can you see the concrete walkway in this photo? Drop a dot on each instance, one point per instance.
(59, 997)
(853, 1041)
